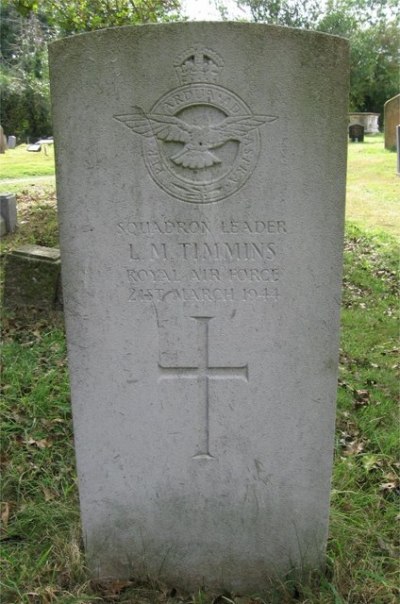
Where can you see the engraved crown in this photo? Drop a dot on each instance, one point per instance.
(198, 65)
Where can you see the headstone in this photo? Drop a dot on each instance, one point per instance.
(3, 141)
(392, 120)
(35, 147)
(12, 142)
(8, 211)
(367, 119)
(45, 143)
(201, 274)
(32, 277)
(356, 133)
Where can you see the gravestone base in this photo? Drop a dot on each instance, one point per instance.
(32, 277)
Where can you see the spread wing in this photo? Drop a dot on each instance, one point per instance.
(164, 127)
(234, 128)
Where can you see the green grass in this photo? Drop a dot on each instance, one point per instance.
(37, 218)
(20, 163)
(42, 554)
(373, 186)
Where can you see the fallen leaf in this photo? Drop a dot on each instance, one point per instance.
(371, 462)
(112, 588)
(40, 444)
(48, 495)
(387, 547)
(43, 444)
(388, 487)
(392, 476)
(353, 448)
(5, 513)
(361, 398)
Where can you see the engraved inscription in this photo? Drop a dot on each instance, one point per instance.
(194, 227)
(200, 141)
(192, 264)
(203, 373)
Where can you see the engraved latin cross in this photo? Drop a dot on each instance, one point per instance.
(203, 373)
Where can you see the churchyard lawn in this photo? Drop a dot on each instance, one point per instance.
(373, 187)
(21, 165)
(42, 554)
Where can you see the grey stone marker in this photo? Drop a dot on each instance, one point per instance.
(8, 211)
(392, 119)
(12, 141)
(32, 277)
(201, 268)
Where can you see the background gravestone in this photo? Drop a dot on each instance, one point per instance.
(12, 141)
(392, 119)
(367, 119)
(8, 212)
(32, 277)
(3, 141)
(356, 133)
(201, 267)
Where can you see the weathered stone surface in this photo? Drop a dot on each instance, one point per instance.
(32, 277)
(392, 119)
(201, 228)
(12, 141)
(8, 211)
(366, 119)
(3, 141)
(3, 226)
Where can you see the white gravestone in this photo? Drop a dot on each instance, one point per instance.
(201, 235)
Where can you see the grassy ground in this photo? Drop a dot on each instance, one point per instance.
(42, 554)
(373, 186)
(19, 163)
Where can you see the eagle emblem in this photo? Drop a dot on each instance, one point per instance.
(200, 141)
(197, 140)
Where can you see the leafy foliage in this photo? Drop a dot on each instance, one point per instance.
(372, 27)
(278, 12)
(24, 74)
(28, 25)
(76, 16)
